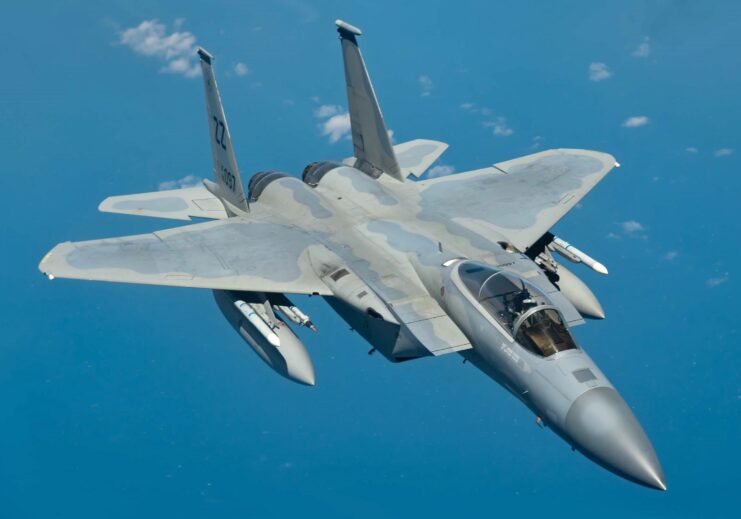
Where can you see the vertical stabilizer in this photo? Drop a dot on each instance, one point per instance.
(226, 171)
(370, 139)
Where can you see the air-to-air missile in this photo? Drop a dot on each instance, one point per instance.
(284, 305)
(575, 255)
(256, 320)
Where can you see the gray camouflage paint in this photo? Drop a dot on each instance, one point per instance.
(180, 204)
(164, 205)
(414, 156)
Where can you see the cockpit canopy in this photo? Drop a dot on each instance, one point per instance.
(521, 308)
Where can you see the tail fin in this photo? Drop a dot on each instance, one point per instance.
(228, 182)
(370, 138)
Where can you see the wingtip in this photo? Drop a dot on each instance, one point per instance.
(44, 263)
(52, 264)
(104, 206)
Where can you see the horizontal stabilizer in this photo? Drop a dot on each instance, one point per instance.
(175, 204)
(416, 156)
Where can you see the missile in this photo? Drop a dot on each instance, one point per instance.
(295, 314)
(303, 318)
(258, 322)
(275, 344)
(575, 255)
(286, 310)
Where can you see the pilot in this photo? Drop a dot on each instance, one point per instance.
(523, 301)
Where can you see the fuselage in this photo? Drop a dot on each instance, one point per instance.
(377, 232)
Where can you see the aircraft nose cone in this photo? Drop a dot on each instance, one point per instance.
(603, 428)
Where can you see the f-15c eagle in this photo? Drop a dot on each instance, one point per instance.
(462, 264)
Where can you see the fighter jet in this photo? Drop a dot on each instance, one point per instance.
(462, 264)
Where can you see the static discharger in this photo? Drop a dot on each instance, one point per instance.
(258, 322)
(574, 255)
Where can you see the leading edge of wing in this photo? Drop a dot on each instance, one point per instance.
(233, 254)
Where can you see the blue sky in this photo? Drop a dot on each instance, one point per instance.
(126, 400)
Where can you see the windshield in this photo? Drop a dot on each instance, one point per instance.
(514, 303)
(503, 295)
(544, 333)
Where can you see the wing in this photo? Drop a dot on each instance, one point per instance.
(521, 198)
(176, 204)
(233, 254)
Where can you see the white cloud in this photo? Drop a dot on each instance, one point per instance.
(241, 69)
(327, 111)
(691, 149)
(635, 121)
(425, 83)
(537, 141)
(671, 255)
(440, 170)
(336, 127)
(472, 108)
(336, 124)
(723, 152)
(176, 49)
(632, 227)
(719, 280)
(181, 66)
(643, 50)
(186, 181)
(499, 127)
(390, 133)
(599, 72)
(498, 124)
